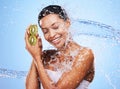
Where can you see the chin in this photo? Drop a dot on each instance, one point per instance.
(59, 46)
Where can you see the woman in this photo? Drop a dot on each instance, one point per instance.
(70, 66)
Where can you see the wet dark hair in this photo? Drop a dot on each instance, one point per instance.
(53, 9)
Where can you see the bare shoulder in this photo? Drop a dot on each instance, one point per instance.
(85, 50)
(89, 56)
(81, 52)
(81, 49)
(84, 53)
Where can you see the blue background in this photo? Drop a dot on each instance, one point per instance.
(17, 15)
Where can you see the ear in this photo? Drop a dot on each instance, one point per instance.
(68, 23)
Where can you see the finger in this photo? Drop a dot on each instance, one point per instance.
(37, 35)
(39, 42)
(27, 33)
(26, 39)
(28, 30)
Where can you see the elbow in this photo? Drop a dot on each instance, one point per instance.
(91, 72)
(27, 82)
(91, 57)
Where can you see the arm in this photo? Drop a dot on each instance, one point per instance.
(71, 79)
(90, 75)
(36, 52)
(32, 81)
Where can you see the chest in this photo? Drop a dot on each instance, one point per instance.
(60, 63)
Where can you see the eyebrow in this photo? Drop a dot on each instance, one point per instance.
(51, 25)
(54, 23)
(42, 27)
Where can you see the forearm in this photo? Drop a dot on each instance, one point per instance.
(71, 79)
(32, 81)
(44, 78)
(90, 75)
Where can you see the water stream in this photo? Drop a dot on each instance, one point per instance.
(104, 40)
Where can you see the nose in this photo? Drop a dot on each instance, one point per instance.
(51, 33)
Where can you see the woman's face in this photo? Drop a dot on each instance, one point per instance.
(55, 30)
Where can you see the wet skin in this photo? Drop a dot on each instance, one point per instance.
(56, 32)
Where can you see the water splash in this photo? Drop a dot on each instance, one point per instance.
(91, 29)
(110, 82)
(5, 73)
(103, 30)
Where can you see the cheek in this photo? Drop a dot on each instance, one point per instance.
(66, 35)
(46, 37)
(64, 32)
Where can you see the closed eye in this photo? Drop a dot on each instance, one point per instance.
(55, 26)
(45, 31)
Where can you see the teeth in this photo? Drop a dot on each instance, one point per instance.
(55, 40)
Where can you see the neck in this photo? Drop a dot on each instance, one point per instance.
(67, 47)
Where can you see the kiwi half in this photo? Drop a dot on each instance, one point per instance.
(33, 32)
(32, 40)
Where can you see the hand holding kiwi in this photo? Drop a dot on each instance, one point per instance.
(33, 41)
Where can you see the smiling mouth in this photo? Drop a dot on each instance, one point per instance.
(56, 40)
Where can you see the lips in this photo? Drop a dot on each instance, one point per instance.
(56, 40)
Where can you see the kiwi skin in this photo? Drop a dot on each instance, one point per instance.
(33, 32)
